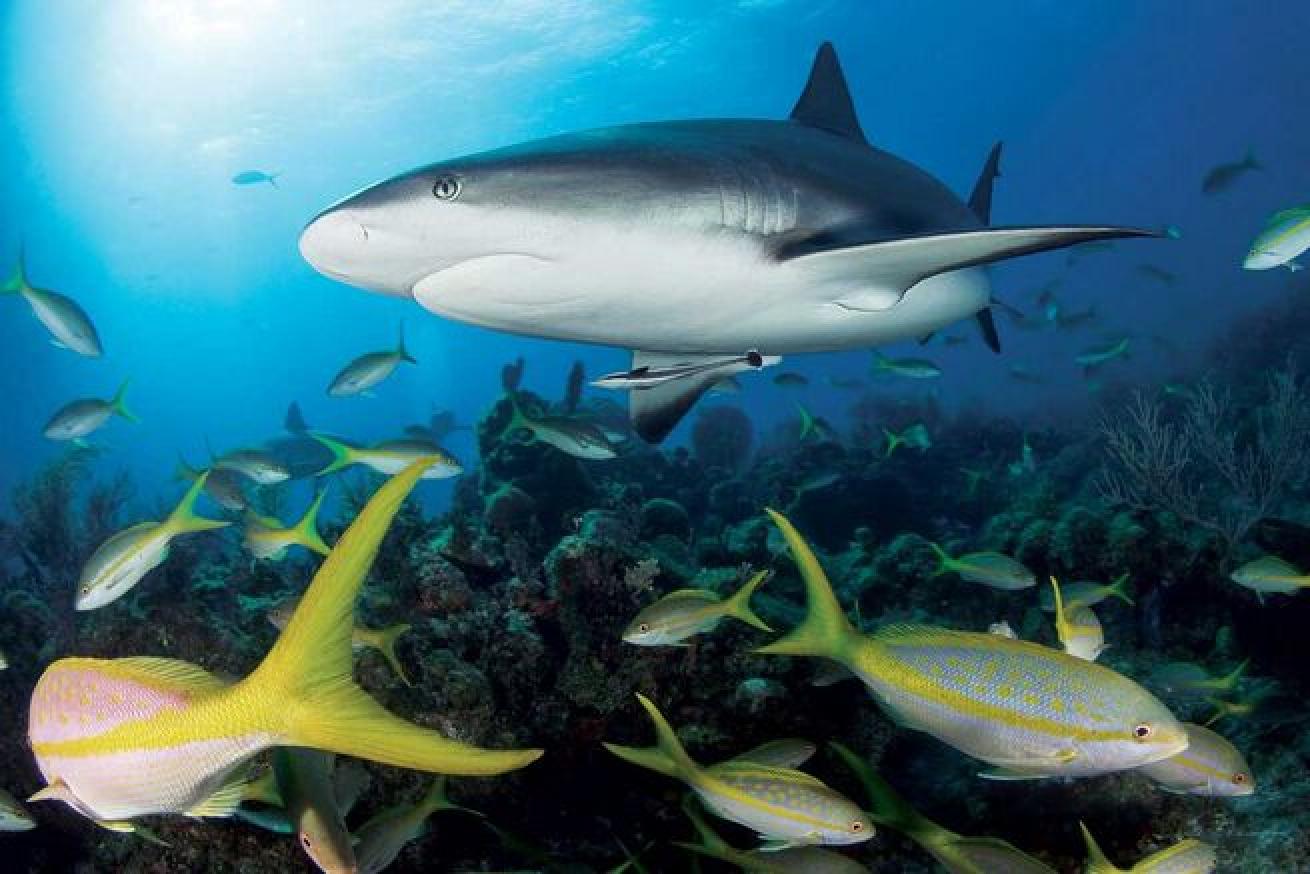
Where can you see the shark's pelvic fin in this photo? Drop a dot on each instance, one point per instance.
(826, 101)
(987, 326)
(655, 410)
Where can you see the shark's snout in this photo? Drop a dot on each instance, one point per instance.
(335, 243)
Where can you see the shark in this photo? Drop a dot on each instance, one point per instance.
(707, 247)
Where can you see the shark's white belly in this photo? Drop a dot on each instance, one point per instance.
(683, 291)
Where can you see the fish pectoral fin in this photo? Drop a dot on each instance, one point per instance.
(1012, 774)
(656, 411)
(1034, 767)
(123, 826)
(890, 267)
(774, 845)
(225, 801)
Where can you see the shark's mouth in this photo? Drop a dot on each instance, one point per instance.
(491, 282)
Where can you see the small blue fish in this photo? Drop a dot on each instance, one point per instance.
(254, 177)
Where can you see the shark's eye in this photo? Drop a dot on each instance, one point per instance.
(1143, 731)
(446, 187)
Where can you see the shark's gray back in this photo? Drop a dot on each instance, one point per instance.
(801, 185)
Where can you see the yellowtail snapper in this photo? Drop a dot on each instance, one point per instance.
(267, 538)
(1285, 236)
(1188, 856)
(569, 434)
(380, 840)
(77, 419)
(124, 559)
(993, 569)
(785, 807)
(1029, 710)
(66, 321)
(391, 456)
(121, 738)
(1209, 766)
(687, 612)
(366, 371)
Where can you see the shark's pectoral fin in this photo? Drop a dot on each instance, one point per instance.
(886, 269)
(673, 382)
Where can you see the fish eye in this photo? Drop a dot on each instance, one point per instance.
(1239, 778)
(857, 826)
(1142, 731)
(643, 627)
(446, 187)
(306, 842)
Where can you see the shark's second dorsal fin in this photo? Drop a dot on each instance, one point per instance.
(826, 101)
(981, 199)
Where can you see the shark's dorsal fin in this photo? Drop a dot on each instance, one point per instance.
(826, 101)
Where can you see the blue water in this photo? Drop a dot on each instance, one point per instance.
(125, 122)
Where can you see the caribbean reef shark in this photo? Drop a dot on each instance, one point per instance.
(707, 247)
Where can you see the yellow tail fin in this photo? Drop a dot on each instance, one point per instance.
(303, 689)
(825, 630)
(384, 641)
(306, 530)
(667, 757)
(1096, 861)
(739, 605)
(184, 518)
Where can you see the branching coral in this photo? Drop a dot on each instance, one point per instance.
(1214, 467)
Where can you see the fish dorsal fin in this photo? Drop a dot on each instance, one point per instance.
(826, 101)
(172, 674)
(744, 769)
(702, 594)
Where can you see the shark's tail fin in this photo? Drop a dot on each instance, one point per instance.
(303, 693)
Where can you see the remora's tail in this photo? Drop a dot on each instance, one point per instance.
(656, 410)
(825, 631)
(303, 693)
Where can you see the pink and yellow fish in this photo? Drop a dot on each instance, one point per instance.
(121, 738)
